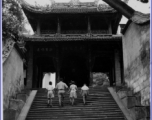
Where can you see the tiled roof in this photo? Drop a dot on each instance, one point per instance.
(86, 7)
(79, 37)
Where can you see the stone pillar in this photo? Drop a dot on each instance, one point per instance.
(117, 68)
(38, 29)
(30, 68)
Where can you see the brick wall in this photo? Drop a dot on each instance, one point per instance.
(12, 76)
(136, 55)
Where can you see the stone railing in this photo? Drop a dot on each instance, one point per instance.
(16, 105)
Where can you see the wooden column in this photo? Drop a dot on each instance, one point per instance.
(110, 28)
(30, 68)
(58, 27)
(40, 76)
(38, 29)
(90, 66)
(89, 25)
(117, 68)
(57, 64)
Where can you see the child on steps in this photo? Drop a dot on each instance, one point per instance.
(50, 94)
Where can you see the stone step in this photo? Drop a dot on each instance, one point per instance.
(100, 106)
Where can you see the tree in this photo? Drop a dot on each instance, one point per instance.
(12, 19)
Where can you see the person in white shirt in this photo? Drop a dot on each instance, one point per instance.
(61, 86)
(84, 92)
(72, 90)
(50, 94)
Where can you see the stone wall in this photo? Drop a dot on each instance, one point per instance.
(12, 77)
(136, 55)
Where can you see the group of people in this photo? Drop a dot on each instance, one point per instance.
(61, 88)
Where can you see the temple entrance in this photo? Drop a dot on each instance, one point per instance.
(74, 68)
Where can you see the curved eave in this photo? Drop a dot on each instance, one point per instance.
(74, 38)
(66, 8)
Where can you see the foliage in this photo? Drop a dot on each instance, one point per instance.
(12, 19)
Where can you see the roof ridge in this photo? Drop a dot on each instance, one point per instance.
(66, 7)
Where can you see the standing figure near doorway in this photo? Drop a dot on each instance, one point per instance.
(61, 86)
(73, 94)
(50, 94)
(84, 92)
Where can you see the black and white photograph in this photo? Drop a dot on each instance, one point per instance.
(75, 60)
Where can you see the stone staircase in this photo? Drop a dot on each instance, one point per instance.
(100, 106)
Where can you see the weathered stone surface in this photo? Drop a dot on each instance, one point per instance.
(22, 96)
(17, 105)
(12, 76)
(9, 114)
(124, 101)
(136, 56)
(140, 113)
(138, 99)
(26, 91)
(129, 102)
(123, 94)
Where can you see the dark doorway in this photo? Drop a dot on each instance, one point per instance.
(74, 68)
(42, 64)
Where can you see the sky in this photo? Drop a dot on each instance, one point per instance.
(136, 5)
